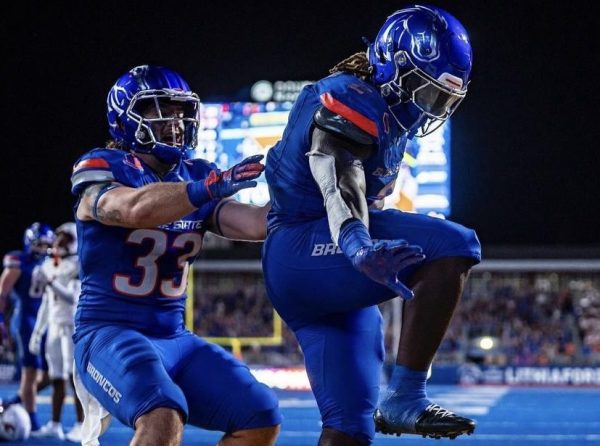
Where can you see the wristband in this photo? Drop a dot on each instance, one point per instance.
(198, 193)
(353, 236)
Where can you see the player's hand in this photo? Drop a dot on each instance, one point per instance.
(385, 259)
(39, 279)
(35, 343)
(224, 184)
(239, 177)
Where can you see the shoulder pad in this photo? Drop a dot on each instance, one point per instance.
(332, 122)
(104, 165)
(12, 259)
(353, 99)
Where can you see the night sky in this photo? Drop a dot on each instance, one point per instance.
(525, 163)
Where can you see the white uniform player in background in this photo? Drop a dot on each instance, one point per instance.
(60, 275)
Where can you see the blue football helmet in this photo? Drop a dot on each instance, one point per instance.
(38, 238)
(153, 110)
(421, 60)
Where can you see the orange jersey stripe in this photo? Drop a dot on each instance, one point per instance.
(353, 116)
(92, 162)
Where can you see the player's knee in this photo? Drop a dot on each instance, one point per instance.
(261, 409)
(461, 241)
(263, 436)
(162, 424)
(472, 241)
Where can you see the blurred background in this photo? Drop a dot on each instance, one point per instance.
(518, 162)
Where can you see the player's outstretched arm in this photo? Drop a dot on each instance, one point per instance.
(239, 221)
(115, 205)
(161, 203)
(336, 167)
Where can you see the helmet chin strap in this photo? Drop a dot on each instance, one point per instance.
(418, 121)
(167, 154)
(164, 153)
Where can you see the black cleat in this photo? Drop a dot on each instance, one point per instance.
(435, 422)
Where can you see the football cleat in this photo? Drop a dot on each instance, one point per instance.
(49, 430)
(435, 422)
(75, 434)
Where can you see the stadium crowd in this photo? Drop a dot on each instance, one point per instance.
(542, 318)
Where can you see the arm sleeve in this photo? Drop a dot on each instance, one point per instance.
(340, 178)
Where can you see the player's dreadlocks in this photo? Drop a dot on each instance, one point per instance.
(357, 64)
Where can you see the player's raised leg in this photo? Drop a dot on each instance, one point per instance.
(437, 285)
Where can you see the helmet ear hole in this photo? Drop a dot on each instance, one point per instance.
(140, 134)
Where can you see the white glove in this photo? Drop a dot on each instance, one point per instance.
(35, 343)
(39, 279)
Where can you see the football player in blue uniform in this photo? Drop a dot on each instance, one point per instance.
(331, 256)
(17, 279)
(142, 211)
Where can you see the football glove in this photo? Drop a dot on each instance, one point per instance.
(35, 343)
(224, 184)
(382, 261)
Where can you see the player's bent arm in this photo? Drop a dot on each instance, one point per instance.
(41, 320)
(7, 282)
(66, 293)
(239, 221)
(148, 206)
(336, 166)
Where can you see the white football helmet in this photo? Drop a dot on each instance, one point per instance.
(15, 424)
(70, 229)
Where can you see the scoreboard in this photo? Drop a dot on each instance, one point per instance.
(232, 131)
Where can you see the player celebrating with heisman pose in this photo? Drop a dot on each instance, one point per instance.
(338, 158)
(142, 211)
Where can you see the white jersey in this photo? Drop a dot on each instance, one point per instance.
(56, 314)
(65, 274)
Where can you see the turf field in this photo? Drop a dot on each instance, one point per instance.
(505, 417)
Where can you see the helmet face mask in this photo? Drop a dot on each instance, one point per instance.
(165, 117)
(152, 110)
(421, 61)
(435, 100)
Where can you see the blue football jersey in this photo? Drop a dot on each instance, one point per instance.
(295, 196)
(136, 277)
(28, 295)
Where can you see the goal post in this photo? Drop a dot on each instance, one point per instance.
(231, 277)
